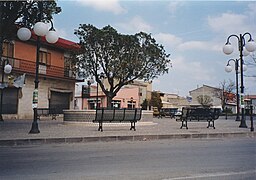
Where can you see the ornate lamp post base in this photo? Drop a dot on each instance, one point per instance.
(34, 128)
(243, 124)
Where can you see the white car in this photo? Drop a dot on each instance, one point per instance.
(178, 113)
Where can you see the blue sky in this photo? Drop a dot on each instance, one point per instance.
(193, 32)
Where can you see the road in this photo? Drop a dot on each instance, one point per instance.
(149, 160)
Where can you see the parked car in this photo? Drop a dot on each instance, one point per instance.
(169, 112)
(177, 115)
(155, 112)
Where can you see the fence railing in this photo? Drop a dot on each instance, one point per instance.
(25, 66)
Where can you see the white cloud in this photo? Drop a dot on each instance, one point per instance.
(172, 42)
(229, 23)
(174, 5)
(168, 40)
(200, 46)
(135, 25)
(193, 70)
(104, 5)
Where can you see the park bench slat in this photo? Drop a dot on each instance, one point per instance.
(198, 115)
(117, 115)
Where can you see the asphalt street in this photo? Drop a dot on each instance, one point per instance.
(171, 159)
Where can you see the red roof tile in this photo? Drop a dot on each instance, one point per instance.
(61, 43)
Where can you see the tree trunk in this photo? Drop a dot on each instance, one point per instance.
(109, 101)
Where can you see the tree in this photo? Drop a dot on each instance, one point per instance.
(204, 100)
(225, 91)
(156, 100)
(145, 104)
(22, 13)
(121, 59)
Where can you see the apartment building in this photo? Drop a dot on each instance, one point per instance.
(211, 92)
(129, 96)
(56, 78)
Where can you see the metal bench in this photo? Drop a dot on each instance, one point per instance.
(47, 112)
(198, 115)
(117, 115)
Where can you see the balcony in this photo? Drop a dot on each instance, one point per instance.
(28, 67)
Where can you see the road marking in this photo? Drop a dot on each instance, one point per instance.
(217, 174)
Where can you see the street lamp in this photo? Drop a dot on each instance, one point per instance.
(250, 46)
(89, 82)
(40, 29)
(228, 69)
(6, 69)
(101, 77)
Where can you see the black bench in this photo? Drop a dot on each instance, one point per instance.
(198, 115)
(117, 115)
(47, 112)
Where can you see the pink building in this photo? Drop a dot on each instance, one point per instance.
(130, 96)
(127, 97)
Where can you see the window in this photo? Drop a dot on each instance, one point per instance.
(68, 66)
(131, 104)
(116, 104)
(92, 103)
(44, 57)
(8, 49)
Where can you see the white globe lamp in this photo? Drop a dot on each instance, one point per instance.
(228, 68)
(24, 34)
(40, 28)
(7, 69)
(245, 52)
(250, 46)
(228, 49)
(52, 37)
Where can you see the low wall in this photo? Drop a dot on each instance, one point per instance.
(89, 115)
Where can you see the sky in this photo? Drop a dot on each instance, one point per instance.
(192, 32)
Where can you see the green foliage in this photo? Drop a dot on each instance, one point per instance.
(23, 13)
(144, 104)
(156, 100)
(121, 58)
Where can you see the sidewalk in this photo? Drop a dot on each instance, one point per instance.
(15, 132)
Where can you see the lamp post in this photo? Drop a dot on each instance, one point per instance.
(6, 69)
(40, 29)
(89, 82)
(250, 46)
(228, 69)
(101, 77)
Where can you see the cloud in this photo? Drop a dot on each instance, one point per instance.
(168, 40)
(199, 45)
(172, 42)
(136, 24)
(229, 23)
(104, 5)
(174, 5)
(193, 70)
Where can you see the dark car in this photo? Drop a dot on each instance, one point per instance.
(168, 112)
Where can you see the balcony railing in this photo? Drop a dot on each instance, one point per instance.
(25, 66)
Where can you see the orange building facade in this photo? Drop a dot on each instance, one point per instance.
(56, 78)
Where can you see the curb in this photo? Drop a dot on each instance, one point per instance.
(40, 141)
